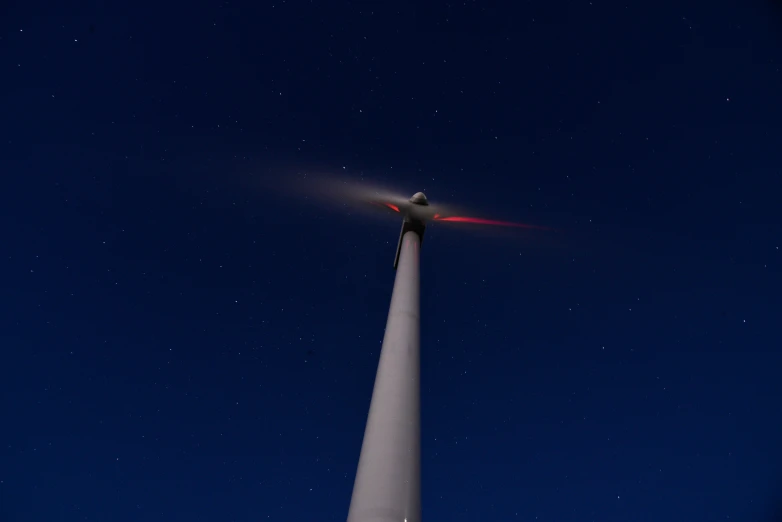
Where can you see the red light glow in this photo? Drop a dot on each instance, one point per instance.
(387, 205)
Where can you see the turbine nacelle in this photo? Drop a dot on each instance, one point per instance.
(417, 208)
(419, 198)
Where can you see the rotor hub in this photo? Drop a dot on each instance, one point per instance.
(419, 198)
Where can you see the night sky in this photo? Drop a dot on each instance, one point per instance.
(181, 342)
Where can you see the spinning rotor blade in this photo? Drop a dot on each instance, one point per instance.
(330, 191)
(481, 221)
(379, 197)
(360, 197)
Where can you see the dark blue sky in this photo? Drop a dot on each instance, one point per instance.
(178, 343)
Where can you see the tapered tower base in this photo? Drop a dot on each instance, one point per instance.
(388, 480)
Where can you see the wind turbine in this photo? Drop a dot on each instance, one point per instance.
(387, 486)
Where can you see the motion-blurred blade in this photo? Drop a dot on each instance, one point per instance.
(481, 221)
(341, 192)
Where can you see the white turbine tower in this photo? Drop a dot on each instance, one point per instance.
(388, 479)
